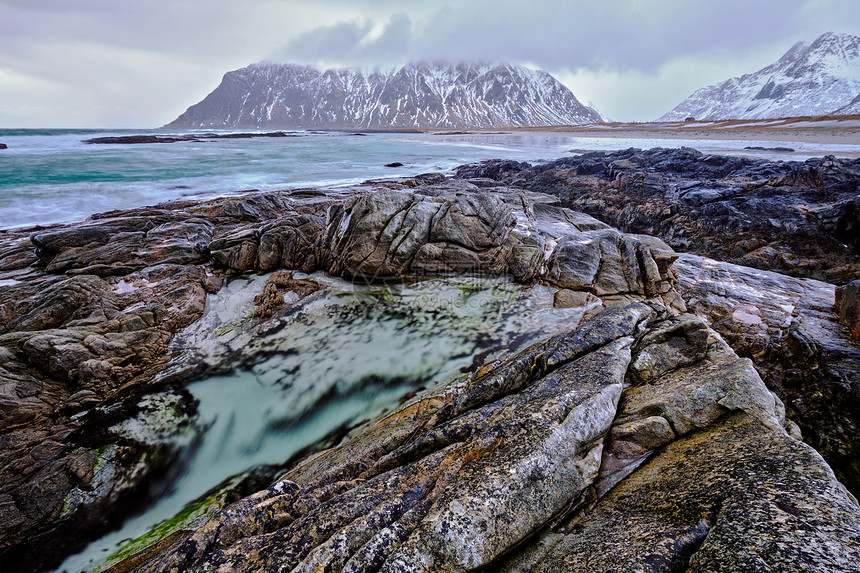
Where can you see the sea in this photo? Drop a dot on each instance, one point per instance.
(51, 176)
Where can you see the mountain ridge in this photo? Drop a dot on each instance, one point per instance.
(417, 95)
(820, 78)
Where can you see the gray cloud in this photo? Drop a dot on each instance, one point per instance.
(622, 34)
(141, 62)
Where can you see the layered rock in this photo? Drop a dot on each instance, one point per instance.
(788, 327)
(519, 465)
(792, 217)
(510, 470)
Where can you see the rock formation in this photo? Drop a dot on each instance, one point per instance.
(665, 430)
(799, 218)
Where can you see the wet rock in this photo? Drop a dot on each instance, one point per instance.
(390, 233)
(753, 500)
(3, 146)
(723, 207)
(787, 327)
(272, 298)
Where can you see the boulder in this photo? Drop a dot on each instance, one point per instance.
(391, 233)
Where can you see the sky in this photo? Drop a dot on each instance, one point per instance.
(141, 63)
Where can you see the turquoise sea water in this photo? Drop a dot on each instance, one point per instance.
(52, 176)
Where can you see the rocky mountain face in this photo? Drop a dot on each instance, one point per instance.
(286, 96)
(672, 425)
(853, 107)
(815, 79)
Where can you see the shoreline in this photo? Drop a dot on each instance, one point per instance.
(843, 142)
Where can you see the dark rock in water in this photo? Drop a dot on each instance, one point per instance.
(3, 146)
(799, 218)
(394, 164)
(131, 139)
(272, 298)
(848, 302)
(779, 149)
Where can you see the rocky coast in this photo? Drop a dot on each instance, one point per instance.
(697, 411)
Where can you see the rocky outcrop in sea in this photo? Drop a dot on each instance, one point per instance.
(690, 414)
(798, 218)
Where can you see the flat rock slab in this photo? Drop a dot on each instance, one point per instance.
(738, 496)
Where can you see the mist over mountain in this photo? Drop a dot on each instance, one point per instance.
(810, 79)
(417, 95)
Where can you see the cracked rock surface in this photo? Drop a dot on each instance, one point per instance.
(638, 441)
(663, 430)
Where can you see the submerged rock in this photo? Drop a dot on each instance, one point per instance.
(131, 139)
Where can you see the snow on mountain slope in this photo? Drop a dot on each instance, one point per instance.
(422, 95)
(853, 107)
(814, 79)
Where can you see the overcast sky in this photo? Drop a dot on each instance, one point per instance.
(140, 63)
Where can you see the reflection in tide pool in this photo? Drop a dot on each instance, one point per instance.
(341, 356)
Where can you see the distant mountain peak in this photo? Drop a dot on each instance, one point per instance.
(809, 79)
(416, 95)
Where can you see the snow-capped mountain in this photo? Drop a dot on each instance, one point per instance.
(423, 95)
(814, 79)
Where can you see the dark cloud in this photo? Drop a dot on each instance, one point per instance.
(621, 34)
(352, 43)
